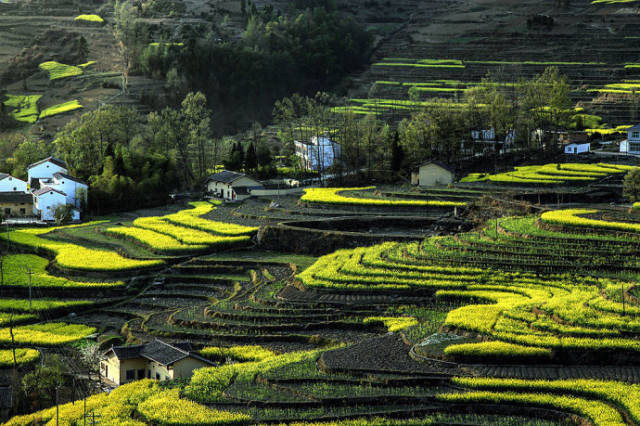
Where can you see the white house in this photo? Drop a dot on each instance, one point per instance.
(9, 183)
(231, 185)
(45, 202)
(577, 148)
(45, 169)
(632, 144)
(318, 154)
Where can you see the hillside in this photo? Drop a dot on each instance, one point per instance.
(593, 44)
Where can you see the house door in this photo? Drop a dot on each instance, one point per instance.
(575, 150)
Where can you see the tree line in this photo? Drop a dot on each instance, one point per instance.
(302, 51)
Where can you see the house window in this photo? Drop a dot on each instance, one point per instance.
(131, 374)
(7, 211)
(634, 147)
(157, 376)
(23, 211)
(141, 374)
(15, 188)
(635, 135)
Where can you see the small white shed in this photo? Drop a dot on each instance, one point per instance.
(435, 173)
(577, 148)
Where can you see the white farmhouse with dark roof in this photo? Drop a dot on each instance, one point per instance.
(44, 169)
(155, 360)
(632, 144)
(45, 202)
(9, 183)
(231, 185)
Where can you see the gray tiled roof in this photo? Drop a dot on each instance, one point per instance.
(66, 176)
(225, 176)
(54, 160)
(16, 197)
(46, 189)
(158, 351)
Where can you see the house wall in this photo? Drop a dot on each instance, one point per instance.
(44, 170)
(577, 148)
(432, 174)
(159, 371)
(16, 209)
(71, 188)
(633, 142)
(184, 367)
(116, 371)
(45, 204)
(11, 184)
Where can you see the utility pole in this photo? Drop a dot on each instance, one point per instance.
(29, 273)
(57, 407)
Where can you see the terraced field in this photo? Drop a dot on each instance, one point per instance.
(530, 320)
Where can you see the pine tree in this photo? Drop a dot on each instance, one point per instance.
(251, 158)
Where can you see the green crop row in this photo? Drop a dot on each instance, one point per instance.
(619, 393)
(598, 412)
(157, 242)
(574, 217)
(60, 108)
(333, 196)
(16, 266)
(57, 70)
(550, 173)
(142, 399)
(191, 218)
(25, 107)
(39, 305)
(48, 334)
(89, 18)
(393, 324)
(492, 351)
(237, 353)
(23, 356)
(72, 256)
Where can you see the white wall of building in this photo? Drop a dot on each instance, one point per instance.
(319, 154)
(73, 189)
(577, 148)
(12, 184)
(45, 205)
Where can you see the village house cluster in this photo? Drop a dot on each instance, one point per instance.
(48, 187)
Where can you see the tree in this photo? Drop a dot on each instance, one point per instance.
(631, 185)
(131, 34)
(90, 356)
(251, 158)
(26, 153)
(39, 385)
(63, 214)
(397, 155)
(264, 155)
(197, 119)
